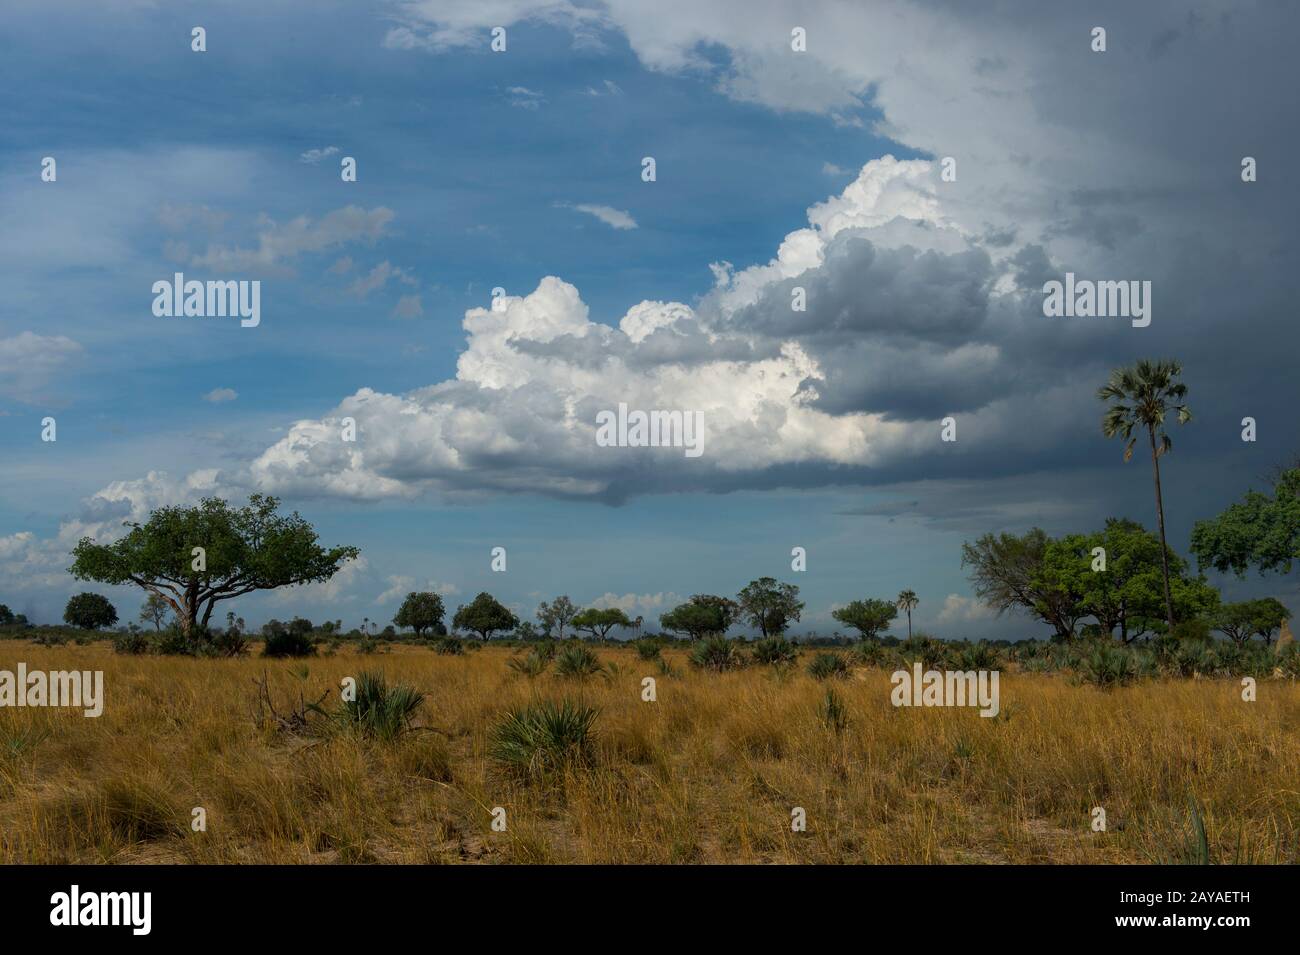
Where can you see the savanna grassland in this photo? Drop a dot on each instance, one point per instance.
(708, 773)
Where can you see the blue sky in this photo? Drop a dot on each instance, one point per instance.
(471, 167)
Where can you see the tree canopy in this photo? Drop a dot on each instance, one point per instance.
(770, 605)
(484, 615)
(869, 617)
(556, 615)
(1261, 531)
(599, 623)
(421, 612)
(703, 614)
(1250, 618)
(89, 612)
(243, 550)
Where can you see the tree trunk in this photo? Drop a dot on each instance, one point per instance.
(1160, 519)
(909, 625)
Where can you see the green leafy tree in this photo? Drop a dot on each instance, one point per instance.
(599, 623)
(1004, 570)
(869, 617)
(769, 605)
(1249, 618)
(244, 549)
(556, 615)
(420, 612)
(6, 616)
(89, 612)
(154, 610)
(1261, 530)
(907, 602)
(1128, 595)
(1141, 397)
(485, 615)
(700, 616)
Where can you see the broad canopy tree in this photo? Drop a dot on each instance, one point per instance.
(1260, 531)
(1129, 594)
(1250, 618)
(243, 550)
(421, 612)
(89, 612)
(870, 617)
(770, 605)
(484, 615)
(599, 622)
(1054, 579)
(700, 616)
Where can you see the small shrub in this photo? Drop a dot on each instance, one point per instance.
(532, 664)
(976, 656)
(647, 649)
(717, 654)
(230, 643)
(1107, 665)
(577, 661)
(926, 649)
(771, 650)
(288, 643)
(131, 644)
(827, 664)
(449, 646)
(541, 738)
(833, 713)
(379, 711)
(173, 642)
(871, 653)
(1191, 658)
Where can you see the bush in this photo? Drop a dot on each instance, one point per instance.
(647, 649)
(532, 664)
(172, 642)
(132, 644)
(926, 649)
(449, 646)
(379, 711)
(771, 650)
(717, 654)
(827, 664)
(833, 713)
(976, 656)
(872, 653)
(1191, 658)
(577, 661)
(230, 643)
(1107, 665)
(541, 738)
(288, 643)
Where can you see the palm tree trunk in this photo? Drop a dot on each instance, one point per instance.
(909, 625)
(1160, 519)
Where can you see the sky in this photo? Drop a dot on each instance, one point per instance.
(521, 170)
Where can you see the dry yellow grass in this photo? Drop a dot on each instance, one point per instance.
(708, 773)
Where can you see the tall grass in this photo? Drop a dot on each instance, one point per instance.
(708, 773)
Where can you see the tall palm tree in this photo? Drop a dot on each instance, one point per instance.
(907, 601)
(1141, 397)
